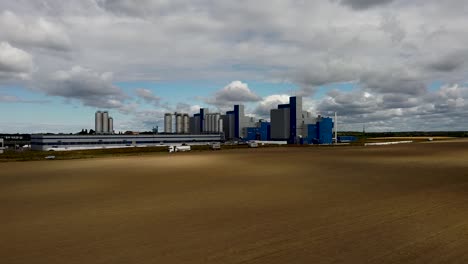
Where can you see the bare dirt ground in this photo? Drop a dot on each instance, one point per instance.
(392, 204)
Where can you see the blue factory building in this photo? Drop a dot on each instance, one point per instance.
(260, 132)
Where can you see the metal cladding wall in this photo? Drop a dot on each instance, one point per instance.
(203, 112)
(265, 131)
(236, 121)
(98, 122)
(279, 126)
(325, 130)
(345, 139)
(168, 123)
(252, 133)
(105, 122)
(196, 122)
(312, 135)
(292, 120)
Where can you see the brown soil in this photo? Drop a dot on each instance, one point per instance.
(390, 204)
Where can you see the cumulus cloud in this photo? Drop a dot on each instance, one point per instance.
(270, 102)
(148, 96)
(391, 50)
(89, 87)
(14, 62)
(35, 32)
(233, 93)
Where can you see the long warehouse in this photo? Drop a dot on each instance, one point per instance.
(73, 142)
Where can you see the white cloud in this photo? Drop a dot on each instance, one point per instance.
(234, 93)
(14, 62)
(35, 32)
(148, 96)
(270, 102)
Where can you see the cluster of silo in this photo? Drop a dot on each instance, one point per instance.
(213, 123)
(104, 124)
(181, 124)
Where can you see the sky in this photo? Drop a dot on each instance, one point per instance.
(391, 65)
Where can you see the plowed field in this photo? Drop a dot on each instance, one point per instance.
(389, 204)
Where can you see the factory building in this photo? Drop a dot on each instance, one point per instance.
(289, 122)
(260, 132)
(319, 133)
(205, 122)
(235, 123)
(103, 123)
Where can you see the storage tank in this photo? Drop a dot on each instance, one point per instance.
(216, 123)
(105, 122)
(168, 123)
(98, 122)
(220, 126)
(186, 122)
(208, 123)
(179, 124)
(111, 125)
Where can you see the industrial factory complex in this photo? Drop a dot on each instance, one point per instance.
(288, 123)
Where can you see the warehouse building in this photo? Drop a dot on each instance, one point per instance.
(75, 142)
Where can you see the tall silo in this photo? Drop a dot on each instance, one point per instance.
(216, 123)
(98, 122)
(220, 126)
(105, 122)
(179, 124)
(208, 123)
(186, 123)
(111, 125)
(168, 123)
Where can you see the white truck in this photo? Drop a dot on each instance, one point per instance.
(179, 148)
(215, 146)
(252, 144)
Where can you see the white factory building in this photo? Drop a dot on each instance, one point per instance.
(77, 142)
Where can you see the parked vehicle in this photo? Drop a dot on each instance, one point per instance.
(179, 148)
(252, 144)
(215, 146)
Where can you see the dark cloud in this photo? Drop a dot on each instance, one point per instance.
(449, 63)
(364, 4)
(91, 88)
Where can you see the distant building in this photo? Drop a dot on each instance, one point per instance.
(76, 142)
(103, 123)
(289, 122)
